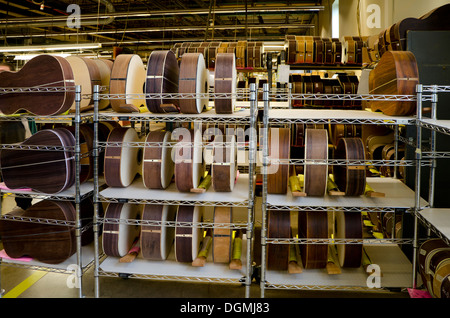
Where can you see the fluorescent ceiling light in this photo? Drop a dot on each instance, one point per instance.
(26, 57)
(60, 47)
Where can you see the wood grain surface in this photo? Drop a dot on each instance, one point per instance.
(313, 225)
(193, 80)
(128, 80)
(156, 241)
(43, 71)
(188, 238)
(395, 74)
(118, 236)
(224, 165)
(122, 160)
(222, 236)
(225, 77)
(41, 170)
(316, 176)
(278, 226)
(162, 78)
(158, 166)
(279, 148)
(47, 243)
(349, 226)
(350, 179)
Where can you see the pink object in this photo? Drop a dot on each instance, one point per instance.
(24, 259)
(416, 293)
(4, 187)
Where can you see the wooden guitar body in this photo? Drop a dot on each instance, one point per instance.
(188, 238)
(225, 76)
(278, 226)
(105, 68)
(395, 74)
(86, 74)
(158, 167)
(162, 78)
(41, 170)
(224, 166)
(316, 176)
(279, 148)
(350, 179)
(189, 161)
(349, 226)
(313, 225)
(222, 236)
(43, 71)
(122, 162)
(128, 79)
(47, 243)
(193, 80)
(157, 240)
(118, 236)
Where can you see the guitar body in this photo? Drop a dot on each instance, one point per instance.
(118, 237)
(86, 74)
(222, 237)
(157, 166)
(44, 71)
(313, 225)
(41, 170)
(193, 80)
(349, 226)
(156, 241)
(396, 74)
(128, 77)
(278, 226)
(121, 162)
(47, 243)
(188, 238)
(316, 176)
(86, 148)
(189, 161)
(225, 76)
(279, 148)
(105, 68)
(224, 166)
(162, 78)
(350, 179)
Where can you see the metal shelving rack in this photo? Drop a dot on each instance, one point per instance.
(436, 220)
(84, 256)
(399, 197)
(241, 197)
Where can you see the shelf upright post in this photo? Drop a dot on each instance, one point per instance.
(434, 98)
(264, 186)
(418, 155)
(96, 192)
(251, 187)
(289, 95)
(77, 189)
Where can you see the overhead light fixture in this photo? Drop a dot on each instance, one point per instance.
(27, 57)
(59, 47)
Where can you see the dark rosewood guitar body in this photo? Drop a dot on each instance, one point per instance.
(162, 78)
(47, 243)
(278, 226)
(44, 71)
(350, 179)
(313, 225)
(41, 170)
(279, 148)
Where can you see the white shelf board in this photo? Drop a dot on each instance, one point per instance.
(209, 115)
(439, 218)
(395, 268)
(137, 191)
(336, 115)
(397, 195)
(87, 256)
(85, 188)
(171, 268)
